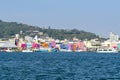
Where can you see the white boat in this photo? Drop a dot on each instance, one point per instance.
(42, 50)
(9, 50)
(64, 50)
(79, 51)
(27, 50)
(107, 51)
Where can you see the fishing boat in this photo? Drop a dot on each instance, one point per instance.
(107, 50)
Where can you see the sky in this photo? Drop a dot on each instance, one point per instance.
(97, 16)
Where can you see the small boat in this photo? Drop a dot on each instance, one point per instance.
(79, 51)
(107, 51)
(47, 50)
(42, 50)
(64, 50)
(27, 50)
(9, 50)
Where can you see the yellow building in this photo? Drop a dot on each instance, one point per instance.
(88, 44)
(93, 43)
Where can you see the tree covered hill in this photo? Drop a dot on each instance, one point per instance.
(8, 29)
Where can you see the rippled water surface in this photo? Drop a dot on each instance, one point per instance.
(59, 66)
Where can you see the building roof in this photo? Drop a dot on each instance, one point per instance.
(7, 45)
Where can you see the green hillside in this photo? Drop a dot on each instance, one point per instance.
(8, 29)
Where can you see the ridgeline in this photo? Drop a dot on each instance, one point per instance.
(9, 29)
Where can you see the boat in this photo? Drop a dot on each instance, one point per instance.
(27, 50)
(64, 50)
(47, 50)
(107, 50)
(9, 50)
(42, 50)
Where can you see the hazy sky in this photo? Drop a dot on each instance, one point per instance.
(96, 16)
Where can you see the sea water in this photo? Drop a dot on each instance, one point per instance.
(59, 66)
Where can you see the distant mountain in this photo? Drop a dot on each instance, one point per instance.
(8, 29)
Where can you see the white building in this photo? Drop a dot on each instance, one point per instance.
(113, 37)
